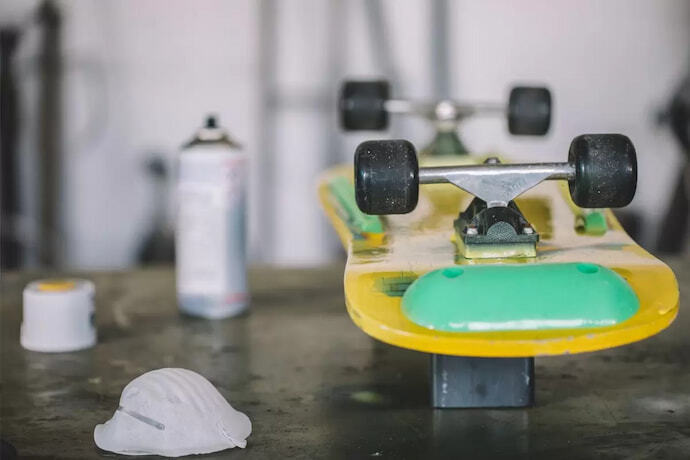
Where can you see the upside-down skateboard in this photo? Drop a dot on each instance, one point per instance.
(506, 265)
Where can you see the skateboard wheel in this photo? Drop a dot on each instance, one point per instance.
(386, 177)
(605, 170)
(362, 105)
(529, 111)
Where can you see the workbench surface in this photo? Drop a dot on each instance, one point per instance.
(315, 386)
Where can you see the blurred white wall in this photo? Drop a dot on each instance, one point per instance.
(142, 74)
(139, 78)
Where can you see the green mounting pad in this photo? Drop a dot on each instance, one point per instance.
(344, 191)
(471, 298)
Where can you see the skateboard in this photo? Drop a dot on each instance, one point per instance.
(367, 105)
(485, 264)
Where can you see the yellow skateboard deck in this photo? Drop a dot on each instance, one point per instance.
(386, 254)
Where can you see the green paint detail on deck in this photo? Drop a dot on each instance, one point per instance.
(595, 223)
(473, 298)
(344, 192)
(592, 223)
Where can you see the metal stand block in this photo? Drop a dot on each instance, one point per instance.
(460, 381)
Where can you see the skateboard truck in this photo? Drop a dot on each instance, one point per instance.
(601, 172)
(366, 105)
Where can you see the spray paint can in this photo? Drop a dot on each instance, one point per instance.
(210, 236)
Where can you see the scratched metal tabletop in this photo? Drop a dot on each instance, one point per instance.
(315, 386)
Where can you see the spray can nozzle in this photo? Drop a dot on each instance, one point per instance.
(211, 122)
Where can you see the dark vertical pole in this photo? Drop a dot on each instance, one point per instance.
(440, 67)
(381, 41)
(446, 142)
(49, 136)
(10, 246)
(673, 236)
(267, 141)
(337, 46)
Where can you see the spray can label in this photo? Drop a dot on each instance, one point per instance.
(210, 238)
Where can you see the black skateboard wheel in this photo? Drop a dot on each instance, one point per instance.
(605, 170)
(386, 177)
(362, 105)
(529, 111)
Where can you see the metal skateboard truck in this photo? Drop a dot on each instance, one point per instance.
(601, 172)
(366, 105)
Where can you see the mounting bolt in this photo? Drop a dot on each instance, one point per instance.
(527, 230)
(471, 230)
(446, 111)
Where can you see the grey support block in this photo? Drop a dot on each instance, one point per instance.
(460, 381)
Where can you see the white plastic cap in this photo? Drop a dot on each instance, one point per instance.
(58, 315)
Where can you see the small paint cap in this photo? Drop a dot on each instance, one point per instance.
(58, 315)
